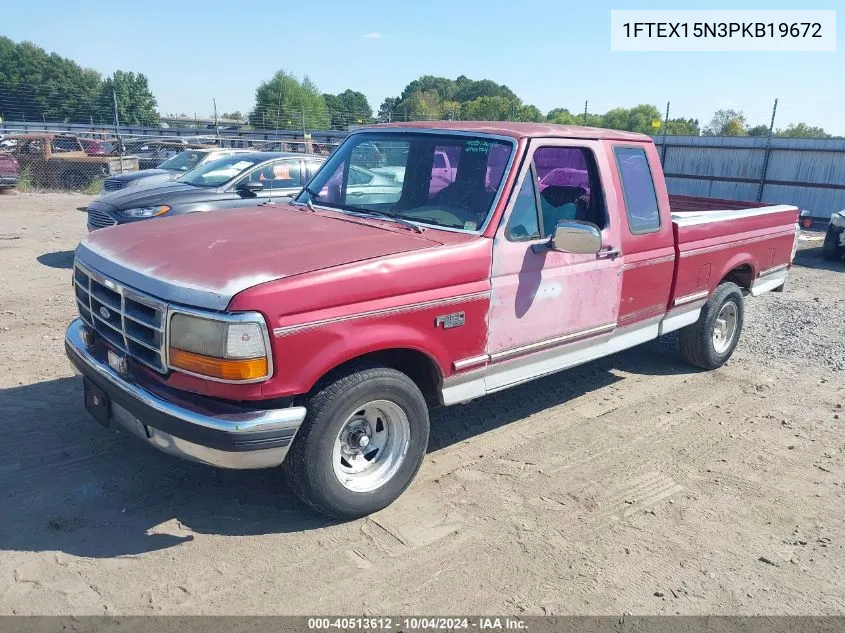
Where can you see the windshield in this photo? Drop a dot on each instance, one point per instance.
(184, 161)
(219, 171)
(448, 180)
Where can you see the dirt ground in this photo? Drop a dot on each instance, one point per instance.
(633, 484)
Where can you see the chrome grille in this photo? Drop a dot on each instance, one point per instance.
(100, 219)
(113, 185)
(130, 321)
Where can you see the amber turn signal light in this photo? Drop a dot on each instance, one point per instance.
(223, 368)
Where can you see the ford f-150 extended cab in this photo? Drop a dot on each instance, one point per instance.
(318, 333)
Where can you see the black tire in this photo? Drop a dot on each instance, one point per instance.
(830, 248)
(696, 340)
(309, 463)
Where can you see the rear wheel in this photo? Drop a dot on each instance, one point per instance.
(709, 342)
(361, 444)
(830, 247)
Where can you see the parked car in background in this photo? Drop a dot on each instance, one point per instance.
(10, 171)
(153, 152)
(59, 161)
(171, 169)
(98, 147)
(244, 179)
(318, 333)
(833, 246)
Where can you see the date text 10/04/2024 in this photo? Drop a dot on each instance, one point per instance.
(418, 624)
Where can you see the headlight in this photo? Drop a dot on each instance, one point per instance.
(232, 349)
(145, 212)
(838, 220)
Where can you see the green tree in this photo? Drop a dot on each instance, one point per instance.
(682, 127)
(432, 97)
(758, 130)
(350, 107)
(637, 119)
(35, 85)
(286, 103)
(727, 123)
(233, 116)
(136, 104)
(422, 106)
(562, 116)
(489, 109)
(802, 130)
(529, 113)
(387, 109)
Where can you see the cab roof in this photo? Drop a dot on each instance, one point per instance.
(519, 130)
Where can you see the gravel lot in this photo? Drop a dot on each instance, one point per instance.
(633, 484)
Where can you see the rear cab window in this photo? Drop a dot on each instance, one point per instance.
(638, 189)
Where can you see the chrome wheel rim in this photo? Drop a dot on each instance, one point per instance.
(371, 446)
(724, 330)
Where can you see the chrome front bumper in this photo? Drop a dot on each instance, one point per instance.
(189, 426)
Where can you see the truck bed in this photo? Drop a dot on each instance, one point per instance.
(750, 243)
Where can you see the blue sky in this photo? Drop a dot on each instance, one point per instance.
(551, 53)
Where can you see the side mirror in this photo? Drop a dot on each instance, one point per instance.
(572, 236)
(250, 187)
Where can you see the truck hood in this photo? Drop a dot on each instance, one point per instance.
(205, 259)
(153, 193)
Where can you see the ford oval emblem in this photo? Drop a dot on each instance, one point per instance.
(104, 312)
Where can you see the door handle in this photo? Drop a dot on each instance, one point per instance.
(608, 253)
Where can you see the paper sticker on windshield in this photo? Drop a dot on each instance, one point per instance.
(477, 146)
(240, 165)
(469, 226)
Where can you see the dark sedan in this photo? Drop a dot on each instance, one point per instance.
(240, 180)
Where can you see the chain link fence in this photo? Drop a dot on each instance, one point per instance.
(64, 157)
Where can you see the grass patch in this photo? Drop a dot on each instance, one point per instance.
(26, 182)
(94, 187)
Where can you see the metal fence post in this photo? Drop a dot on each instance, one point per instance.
(117, 130)
(766, 155)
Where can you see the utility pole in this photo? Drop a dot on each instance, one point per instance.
(766, 154)
(585, 111)
(117, 129)
(665, 125)
(216, 122)
(279, 114)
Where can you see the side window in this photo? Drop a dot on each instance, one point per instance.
(523, 223)
(638, 189)
(313, 166)
(64, 145)
(569, 187)
(358, 176)
(283, 174)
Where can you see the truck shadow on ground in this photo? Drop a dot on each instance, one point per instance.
(58, 259)
(70, 485)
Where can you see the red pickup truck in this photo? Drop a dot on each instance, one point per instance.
(318, 333)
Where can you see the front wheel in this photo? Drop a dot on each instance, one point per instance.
(709, 342)
(361, 444)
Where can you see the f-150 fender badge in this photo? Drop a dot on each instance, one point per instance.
(447, 321)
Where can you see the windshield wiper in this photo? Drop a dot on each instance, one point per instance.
(388, 216)
(311, 195)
